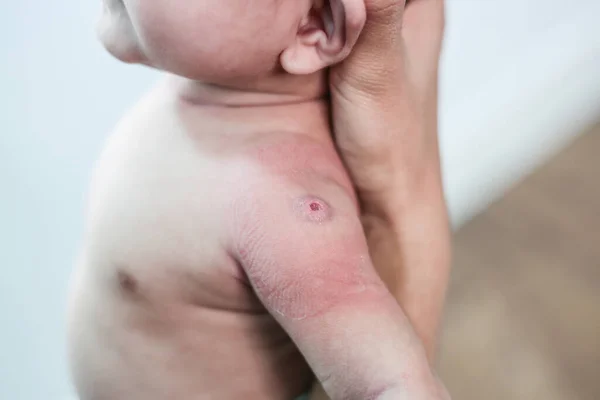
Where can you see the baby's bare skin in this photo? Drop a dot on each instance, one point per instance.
(170, 217)
(193, 210)
(226, 213)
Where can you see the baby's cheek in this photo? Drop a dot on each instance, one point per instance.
(303, 265)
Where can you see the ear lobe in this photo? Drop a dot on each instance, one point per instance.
(325, 37)
(117, 34)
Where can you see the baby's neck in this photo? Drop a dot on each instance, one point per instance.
(273, 90)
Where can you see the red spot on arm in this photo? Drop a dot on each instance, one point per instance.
(313, 209)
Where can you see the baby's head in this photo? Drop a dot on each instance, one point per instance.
(219, 41)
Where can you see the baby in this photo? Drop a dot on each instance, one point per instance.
(220, 210)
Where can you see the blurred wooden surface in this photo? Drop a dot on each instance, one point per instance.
(523, 314)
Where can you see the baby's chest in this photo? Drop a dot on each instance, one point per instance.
(156, 210)
(157, 223)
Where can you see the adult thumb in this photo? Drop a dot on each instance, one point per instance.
(375, 59)
(382, 30)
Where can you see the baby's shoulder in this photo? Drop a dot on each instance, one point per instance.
(297, 158)
(284, 167)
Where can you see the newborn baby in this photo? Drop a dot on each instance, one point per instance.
(220, 209)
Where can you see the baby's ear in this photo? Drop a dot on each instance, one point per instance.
(326, 36)
(117, 34)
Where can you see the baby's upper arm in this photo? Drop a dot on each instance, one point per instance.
(303, 252)
(306, 256)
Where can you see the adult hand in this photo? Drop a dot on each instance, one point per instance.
(384, 102)
(384, 99)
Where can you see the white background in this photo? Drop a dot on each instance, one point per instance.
(519, 79)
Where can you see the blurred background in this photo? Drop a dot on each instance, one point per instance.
(521, 153)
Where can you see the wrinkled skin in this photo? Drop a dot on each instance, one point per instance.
(219, 239)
